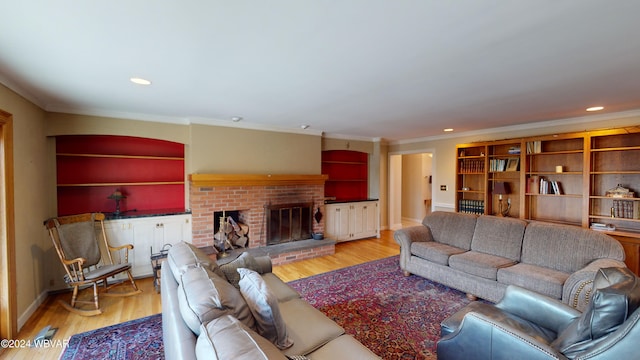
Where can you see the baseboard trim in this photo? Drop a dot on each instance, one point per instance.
(25, 316)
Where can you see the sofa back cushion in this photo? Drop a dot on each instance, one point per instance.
(566, 248)
(499, 236)
(228, 338)
(204, 296)
(455, 229)
(182, 256)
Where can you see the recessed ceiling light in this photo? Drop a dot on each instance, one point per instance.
(140, 81)
(236, 118)
(595, 108)
(448, 130)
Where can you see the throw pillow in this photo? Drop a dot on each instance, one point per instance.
(609, 308)
(230, 269)
(265, 309)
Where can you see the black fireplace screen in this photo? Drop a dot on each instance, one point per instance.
(288, 222)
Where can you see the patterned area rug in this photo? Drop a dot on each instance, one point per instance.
(136, 339)
(397, 317)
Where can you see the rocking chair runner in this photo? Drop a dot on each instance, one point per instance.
(75, 240)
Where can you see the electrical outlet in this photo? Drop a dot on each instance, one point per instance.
(443, 187)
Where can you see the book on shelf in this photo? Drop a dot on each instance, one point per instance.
(471, 166)
(471, 206)
(534, 147)
(550, 187)
(626, 209)
(602, 227)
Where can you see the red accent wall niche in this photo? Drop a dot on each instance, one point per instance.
(348, 174)
(149, 172)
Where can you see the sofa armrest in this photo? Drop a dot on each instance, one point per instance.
(578, 288)
(480, 337)
(534, 307)
(406, 236)
(264, 264)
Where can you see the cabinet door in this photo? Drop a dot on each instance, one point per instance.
(144, 232)
(364, 220)
(337, 224)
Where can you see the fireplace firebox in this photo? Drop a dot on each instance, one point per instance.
(289, 222)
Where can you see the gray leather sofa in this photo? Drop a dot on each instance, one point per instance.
(214, 312)
(527, 325)
(482, 255)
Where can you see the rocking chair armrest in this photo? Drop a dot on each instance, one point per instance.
(125, 246)
(80, 261)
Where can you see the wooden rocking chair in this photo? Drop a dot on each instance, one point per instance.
(76, 242)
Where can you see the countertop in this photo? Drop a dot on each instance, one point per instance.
(348, 201)
(131, 214)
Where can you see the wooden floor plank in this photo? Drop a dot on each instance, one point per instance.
(117, 310)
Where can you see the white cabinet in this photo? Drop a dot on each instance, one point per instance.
(148, 235)
(352, 220)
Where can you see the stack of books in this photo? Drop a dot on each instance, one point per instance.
(602, 227)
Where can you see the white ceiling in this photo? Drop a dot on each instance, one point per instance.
(358, 68)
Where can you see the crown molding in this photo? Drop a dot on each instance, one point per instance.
(527, 126)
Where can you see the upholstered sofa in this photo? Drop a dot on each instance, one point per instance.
(528, 325)
(482, 255)
(241, 310)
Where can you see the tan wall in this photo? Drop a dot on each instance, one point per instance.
(70, 124)
(34, 189)
(221, 150)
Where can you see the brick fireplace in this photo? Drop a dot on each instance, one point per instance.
(250, 196)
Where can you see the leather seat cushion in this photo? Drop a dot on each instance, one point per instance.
(307, 327)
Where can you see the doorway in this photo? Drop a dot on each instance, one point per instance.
(410, 187)
(8, 316)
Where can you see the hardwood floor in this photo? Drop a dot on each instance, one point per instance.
(117, 310)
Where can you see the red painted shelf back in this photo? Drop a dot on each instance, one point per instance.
(348, 174)
(81, 179)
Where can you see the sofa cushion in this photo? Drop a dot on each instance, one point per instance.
(342, 345)
(228, 338)
(182, 256)
(204, 296)
(543, 280)
(264, 306)
(609, 308)
(566, 248)
(308, 327)
(479, 264)
(499, 236)
(230, 269)
(434, 251)
(455, 229)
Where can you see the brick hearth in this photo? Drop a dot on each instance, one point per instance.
(249, 194)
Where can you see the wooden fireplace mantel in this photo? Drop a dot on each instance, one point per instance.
(255, 179)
